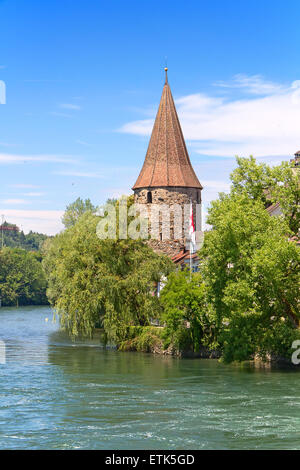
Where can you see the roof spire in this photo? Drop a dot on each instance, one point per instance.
(167, 162)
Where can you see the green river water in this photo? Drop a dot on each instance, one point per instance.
(55, 394)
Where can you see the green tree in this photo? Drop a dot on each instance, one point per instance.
(270, 185)
(187, 315)
(107, 283)
(32, 241)
(75, 210)
(251, 271)
(22, 279)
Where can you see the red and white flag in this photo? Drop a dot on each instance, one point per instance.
(192, 232)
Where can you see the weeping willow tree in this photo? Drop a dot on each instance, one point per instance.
(105, 283)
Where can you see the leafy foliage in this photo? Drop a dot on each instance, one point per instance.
(246, 299)
(22, 280)
(75, 210)
(187, 316)
(107, 283)
(270, 185)
(142, 339)
(251, 272)
(33, 241)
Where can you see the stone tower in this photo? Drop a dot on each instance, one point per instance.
(167, 176)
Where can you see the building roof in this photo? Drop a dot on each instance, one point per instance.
(273, 207)
(167, 161)
(296, 239)
(182, 256)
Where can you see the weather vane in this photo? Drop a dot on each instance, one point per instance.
(166, 69)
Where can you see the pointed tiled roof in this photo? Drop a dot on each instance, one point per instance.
(167, 161)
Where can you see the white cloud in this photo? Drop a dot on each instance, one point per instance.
(6, 158)
(64, 115)
(48, 222)
(216, 185)
(219, 126)
(255, 84)
(73, 107)
(38, 80)
(115, 193)
(14, 201)
(6, 144)
(80, 174)
(82, 142)
(142, 127)
(24, 186)
(34, 194)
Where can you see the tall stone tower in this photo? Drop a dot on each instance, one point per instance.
(167, 176)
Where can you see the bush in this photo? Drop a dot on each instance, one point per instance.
(142, 339)
(187, 315)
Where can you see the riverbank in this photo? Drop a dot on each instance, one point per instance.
(151, 340)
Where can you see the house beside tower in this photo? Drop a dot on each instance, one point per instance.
(168, 180)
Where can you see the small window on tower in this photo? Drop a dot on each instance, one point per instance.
(149, 197)
(198, 197)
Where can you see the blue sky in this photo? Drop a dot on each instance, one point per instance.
(84, 79)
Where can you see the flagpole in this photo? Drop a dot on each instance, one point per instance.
(2, 239)
(191, 215)
(190, 259)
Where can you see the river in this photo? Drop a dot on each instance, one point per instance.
(55, 394)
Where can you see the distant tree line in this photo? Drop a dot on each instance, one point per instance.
(22, 279)
(14, 238)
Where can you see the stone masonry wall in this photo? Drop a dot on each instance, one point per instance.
(170, 244)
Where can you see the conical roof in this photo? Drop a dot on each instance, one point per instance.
(167, 161)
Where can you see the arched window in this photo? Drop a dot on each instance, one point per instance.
(149, 197)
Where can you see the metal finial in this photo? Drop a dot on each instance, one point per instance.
(166, 70)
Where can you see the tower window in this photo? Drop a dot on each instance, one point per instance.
(149, 197)
(198, 197)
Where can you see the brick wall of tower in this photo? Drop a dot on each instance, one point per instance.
(170, 196)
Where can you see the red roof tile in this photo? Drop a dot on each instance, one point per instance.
(183, 255)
